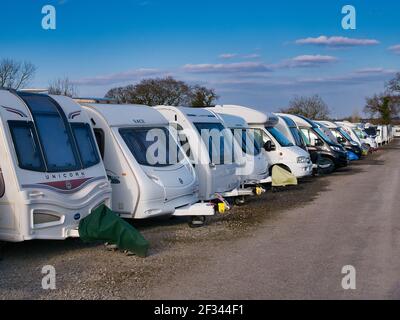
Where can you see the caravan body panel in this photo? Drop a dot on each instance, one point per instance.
(50, 184)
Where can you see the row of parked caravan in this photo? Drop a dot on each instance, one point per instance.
(61, 158)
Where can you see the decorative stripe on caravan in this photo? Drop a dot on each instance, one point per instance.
(18, 112)
(74, 114)
(66, 186)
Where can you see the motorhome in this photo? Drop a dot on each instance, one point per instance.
(289, 128)
(319, 143)
(149, 173)
(373, 132)
(51, 173)
(358, 134)
(208, 143)
(277, 148)
(343, 137)
(255, 169)
(396, 131)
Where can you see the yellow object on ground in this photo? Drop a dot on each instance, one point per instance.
(282, 177)
(221, 207)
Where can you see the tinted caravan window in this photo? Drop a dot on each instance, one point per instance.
(244, 137)
(218, 151)
(54, 134)
(139, 140)
(86, 144)
(26, 146)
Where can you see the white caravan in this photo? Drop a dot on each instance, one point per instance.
(278, 149)
(51, 173)
(150, 175)
(255, 169)
(208, 144)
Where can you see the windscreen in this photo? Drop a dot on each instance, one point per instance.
(297, 137)
(345, 134)
(324, 136)
(219, 141)
(279, 136)
(371, 131)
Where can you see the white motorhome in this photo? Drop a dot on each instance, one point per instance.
(396, 131)
(291, 131)
(358, 134)
(255, 169)
(51, 173)
(278, 149)
(150, 174)
(208, 144)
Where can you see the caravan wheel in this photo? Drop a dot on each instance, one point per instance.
(197, 221)
(239, 201)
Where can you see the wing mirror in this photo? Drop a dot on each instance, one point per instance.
(319, 143)
(268, 146)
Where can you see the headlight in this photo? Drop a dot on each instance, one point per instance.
(302, 160)
(354, 143)
(334, 148)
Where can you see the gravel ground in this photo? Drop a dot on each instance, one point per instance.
(91, 271)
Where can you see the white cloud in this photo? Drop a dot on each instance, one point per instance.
(395, 49)
(227, 56)
(120, 77)
(307, 61)
(227, 68)
(337, 41)
(252, 56)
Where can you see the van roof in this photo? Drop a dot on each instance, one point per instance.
(289, 122)
(232, 121)
(194, 114)
(127, 114)
(328, 124)
(300, 120)
(250, 115)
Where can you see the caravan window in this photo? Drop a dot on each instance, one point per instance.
(26, 145)
(254, 148)
(54, 133)
(100, 139)
(139, 140)
(86, 145)
(218, 151)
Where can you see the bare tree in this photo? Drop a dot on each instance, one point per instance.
(63, 86)
(152, 92)
(15, 74)
(384, 106)
(203, 97)
(393, 86)
(310, 107)
(163, 91)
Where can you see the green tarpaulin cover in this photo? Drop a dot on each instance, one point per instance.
(103, 224)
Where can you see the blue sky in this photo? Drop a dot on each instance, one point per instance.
(254, 53)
